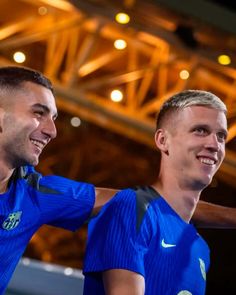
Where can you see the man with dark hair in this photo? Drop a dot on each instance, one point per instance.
(142, 242)
(29, 200)
(13, 77)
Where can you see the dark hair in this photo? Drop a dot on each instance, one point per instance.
(13, 77)
(188, 98)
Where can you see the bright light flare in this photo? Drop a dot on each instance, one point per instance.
(116, 95)
(184, 75)
(75, 122)
(19, 57)
(120, 44)
(224, 59)
(122, 18)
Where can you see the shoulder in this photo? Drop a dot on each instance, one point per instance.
(137, 203)
(145, 196)
(141, 196)
(123, 202)
(51, 184)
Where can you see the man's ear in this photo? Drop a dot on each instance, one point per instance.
(2, 112)
(161, 140)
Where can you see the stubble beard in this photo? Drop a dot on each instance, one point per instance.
(19, 154)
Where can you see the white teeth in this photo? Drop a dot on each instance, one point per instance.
(37, 143)
(207, 161)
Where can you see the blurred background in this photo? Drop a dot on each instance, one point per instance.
(113, 63)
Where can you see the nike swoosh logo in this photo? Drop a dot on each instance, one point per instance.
(165, 245)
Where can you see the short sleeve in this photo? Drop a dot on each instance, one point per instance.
(113, 239)
(64, 203)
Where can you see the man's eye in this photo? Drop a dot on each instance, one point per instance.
(39, 113)
(221, 136)
(200, 131)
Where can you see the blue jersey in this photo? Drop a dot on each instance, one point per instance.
(31, 201)
(138, 231)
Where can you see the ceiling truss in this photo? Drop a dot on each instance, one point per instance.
(74, 48)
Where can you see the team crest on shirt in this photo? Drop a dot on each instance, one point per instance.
(12, 220)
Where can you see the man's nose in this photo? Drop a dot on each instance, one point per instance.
(212, 142)
(49, 128)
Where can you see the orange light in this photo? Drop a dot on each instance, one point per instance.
(42, 10)
(116, 95)
(19, 57)
(122, 18)
(224, 59)
(120, 44)
(184, 75)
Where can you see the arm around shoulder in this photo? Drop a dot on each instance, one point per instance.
(214, 216)
(102, 196)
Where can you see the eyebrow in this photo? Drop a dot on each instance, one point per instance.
(45, 108)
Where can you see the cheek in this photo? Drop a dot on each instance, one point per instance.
(29, 125)
(222, 153)
(21, 129)
(34, 122)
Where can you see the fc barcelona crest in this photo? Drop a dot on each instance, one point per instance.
(12, 220)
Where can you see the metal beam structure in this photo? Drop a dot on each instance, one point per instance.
(74, 47)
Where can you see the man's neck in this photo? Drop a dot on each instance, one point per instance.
(5, 175)
(3, 186)
(183, 202)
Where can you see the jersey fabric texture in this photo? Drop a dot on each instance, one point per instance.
(31, 201)
(138, 231)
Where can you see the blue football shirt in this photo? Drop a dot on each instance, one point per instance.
(31, 201)
(138, 231)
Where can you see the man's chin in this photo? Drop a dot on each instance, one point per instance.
(202, 183)
(33, 161)
(206, 181)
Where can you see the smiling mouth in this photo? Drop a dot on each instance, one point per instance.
(207, 161)
(40, 145)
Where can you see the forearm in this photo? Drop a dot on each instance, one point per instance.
(102, 196)
(120, 281)
(208, 215)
